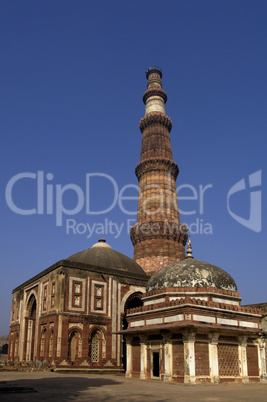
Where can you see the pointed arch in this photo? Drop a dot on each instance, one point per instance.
(97, 346)
(32, 306)
(132, 299)
(74, 345)
(129, 295)
(31, 326)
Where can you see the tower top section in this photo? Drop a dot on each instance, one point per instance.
(154, 98)
(154, 69)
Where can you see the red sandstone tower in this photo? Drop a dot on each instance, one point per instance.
(158, 236)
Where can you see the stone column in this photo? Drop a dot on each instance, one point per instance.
(59, 335)
(262, 359)
(167, 343)
(242, 351)
(189, 358)
(143, 357)
(22, 323)
(29, 341)
(213, 358)
(129, 357)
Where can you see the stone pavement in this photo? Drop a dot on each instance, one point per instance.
(52, 386)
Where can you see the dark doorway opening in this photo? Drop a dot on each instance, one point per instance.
(155, 364)
(4, 349)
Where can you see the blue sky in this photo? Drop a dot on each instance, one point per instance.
(72, 79)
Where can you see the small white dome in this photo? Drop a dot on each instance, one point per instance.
(101, 243)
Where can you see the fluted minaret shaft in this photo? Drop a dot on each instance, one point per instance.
(158, 237)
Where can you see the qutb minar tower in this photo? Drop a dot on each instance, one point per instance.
(158, 236)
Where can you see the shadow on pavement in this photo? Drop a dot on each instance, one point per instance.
(67, 388)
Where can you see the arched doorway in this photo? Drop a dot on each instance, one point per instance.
(74, 346)
(31, 328)
(133, 301)
(97, 347)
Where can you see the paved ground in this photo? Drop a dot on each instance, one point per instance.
(36, 386)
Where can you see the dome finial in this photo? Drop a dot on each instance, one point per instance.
(101, 243)
(189, 249)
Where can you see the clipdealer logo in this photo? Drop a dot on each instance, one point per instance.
(51, 200)
(254, 182)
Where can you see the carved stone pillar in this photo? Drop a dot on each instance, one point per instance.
(167, 358)
(213, 358)
(143, 358)
(29, 340)
(22, 331)
(189, 358)
(129, 357)
(242, 350)
(262, 359)
(59, 335)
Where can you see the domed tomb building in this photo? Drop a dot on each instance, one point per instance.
(192, 328)
(68, 314)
